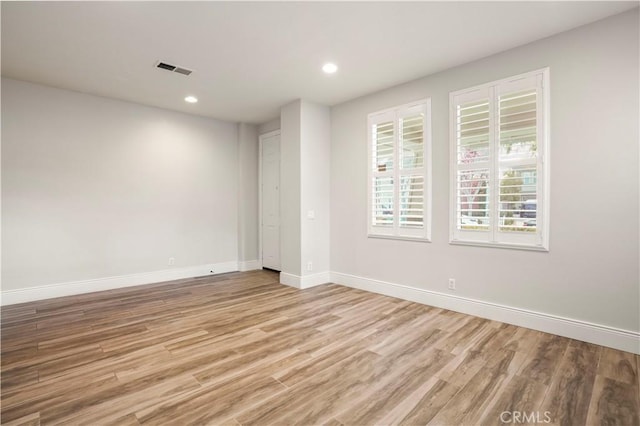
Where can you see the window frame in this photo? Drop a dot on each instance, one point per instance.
(396, 231)
(492, 90)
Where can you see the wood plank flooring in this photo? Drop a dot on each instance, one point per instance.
(240, 349)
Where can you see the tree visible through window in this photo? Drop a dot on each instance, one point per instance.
(499, 185)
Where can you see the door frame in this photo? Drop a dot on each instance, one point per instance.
(260, 139)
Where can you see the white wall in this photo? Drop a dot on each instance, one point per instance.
(315, 159)
(290, 209)
(248, 192)
(94, 187)
(591, 272)
(305, 147)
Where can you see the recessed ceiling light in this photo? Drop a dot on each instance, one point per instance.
(329, 68)
(191, 99)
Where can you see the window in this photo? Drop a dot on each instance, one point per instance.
(400, 172)
(500, 163)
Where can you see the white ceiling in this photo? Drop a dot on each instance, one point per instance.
(252, 58)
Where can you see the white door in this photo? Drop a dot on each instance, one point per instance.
(271, 201)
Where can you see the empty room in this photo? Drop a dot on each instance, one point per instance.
(320, 213)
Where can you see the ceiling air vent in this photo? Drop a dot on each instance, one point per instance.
(173, 68)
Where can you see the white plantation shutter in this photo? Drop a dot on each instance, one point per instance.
(384, 136)
(383, 201)
(399, 178)
(412, 141)
(472, 199)
(472, 129)
(473, 165)
(499, 176)
(412, 202)
(382, 195)
(412, 171)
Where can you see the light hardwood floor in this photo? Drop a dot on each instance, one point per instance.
(242, 349)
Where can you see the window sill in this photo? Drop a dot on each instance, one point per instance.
(500, 245)
(396, 237)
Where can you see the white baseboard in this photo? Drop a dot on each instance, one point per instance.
(316, 279)
(305, 281)
(249, 265)
(10, 297)
(625, 340)
(291, 280)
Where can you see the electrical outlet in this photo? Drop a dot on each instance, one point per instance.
(452, 283)
(172, 261)
(309, 266)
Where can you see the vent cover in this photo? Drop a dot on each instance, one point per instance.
(173, 68)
